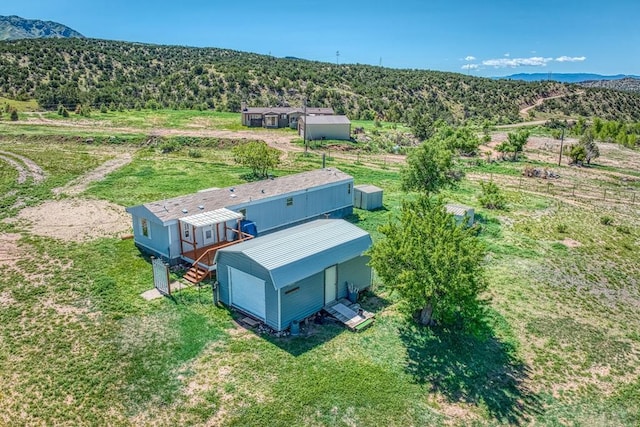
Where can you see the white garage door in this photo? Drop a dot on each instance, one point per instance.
(247, 292)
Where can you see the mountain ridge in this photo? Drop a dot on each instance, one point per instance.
(565, 77)
(15, 28)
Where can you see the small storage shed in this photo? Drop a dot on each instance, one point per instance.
(459, 212)
(368, 197)
(325, 127)
(292, 274)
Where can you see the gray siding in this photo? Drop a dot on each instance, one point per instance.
(328, 131)
(271, 297)
(270, 215)
(157, 243)
(355, 271)
(304, 302)
(367, 200)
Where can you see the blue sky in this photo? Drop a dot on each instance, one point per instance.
(483, 38)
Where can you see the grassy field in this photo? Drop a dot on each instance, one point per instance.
(149, 119)
(559, 343)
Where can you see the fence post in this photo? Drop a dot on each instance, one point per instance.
(605, 194)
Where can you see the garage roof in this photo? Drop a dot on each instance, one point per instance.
(327, 120)
(296, 253)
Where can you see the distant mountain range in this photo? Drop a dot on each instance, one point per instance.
(565, 77)
(14, 28)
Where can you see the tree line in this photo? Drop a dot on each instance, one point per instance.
(123, 75)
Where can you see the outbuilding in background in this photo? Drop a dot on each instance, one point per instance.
(325, 127)
(459, 212)
(367, 196)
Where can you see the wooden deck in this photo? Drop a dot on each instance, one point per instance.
(210, 251)
(350, 314)
(206, 255)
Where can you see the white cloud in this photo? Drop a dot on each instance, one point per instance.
(470, 66)
(571, 58)
(534, 61)
(470, 58)
(507, 54)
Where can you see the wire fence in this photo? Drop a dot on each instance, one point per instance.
(609, 195)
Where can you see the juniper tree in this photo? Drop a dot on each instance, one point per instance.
(434, 263)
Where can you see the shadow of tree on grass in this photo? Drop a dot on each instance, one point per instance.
(472, 368)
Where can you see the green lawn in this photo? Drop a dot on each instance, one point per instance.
(558, 345)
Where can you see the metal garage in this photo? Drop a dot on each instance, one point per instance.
(292, 274)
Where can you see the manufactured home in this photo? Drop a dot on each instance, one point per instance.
(294, 273)
(279, 117)
(193, 227)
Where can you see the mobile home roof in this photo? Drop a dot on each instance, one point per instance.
(213, 199)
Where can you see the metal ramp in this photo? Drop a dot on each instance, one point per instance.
(354, 317)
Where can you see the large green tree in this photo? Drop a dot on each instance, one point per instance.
(430, 167)
(434, 263)
(258, 156)
(514, 143)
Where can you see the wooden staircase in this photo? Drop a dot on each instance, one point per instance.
(196, 274)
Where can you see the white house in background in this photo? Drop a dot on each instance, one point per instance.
(324, 127)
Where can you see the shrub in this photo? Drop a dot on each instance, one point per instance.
(561, 227)
(169, 147)
(14, 115)
(606, 220)
(195, 154)
(491, 196)
(623, 229)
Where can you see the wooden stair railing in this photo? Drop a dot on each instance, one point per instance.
(197, 273)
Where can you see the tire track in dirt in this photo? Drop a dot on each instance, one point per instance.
(26, 167)
(80, 184)
(23, 173)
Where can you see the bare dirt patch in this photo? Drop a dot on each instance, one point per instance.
(82, 183)
(76, 220)
(570, 243)
(10, 252)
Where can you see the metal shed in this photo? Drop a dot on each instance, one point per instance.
(367, 197)
(292, 274)
(325, 127)
(459, 212)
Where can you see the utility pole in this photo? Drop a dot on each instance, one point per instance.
(304, 129)
(337, 57)
(561, 142)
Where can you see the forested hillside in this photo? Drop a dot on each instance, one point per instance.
(130, 75)
(629, 84)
